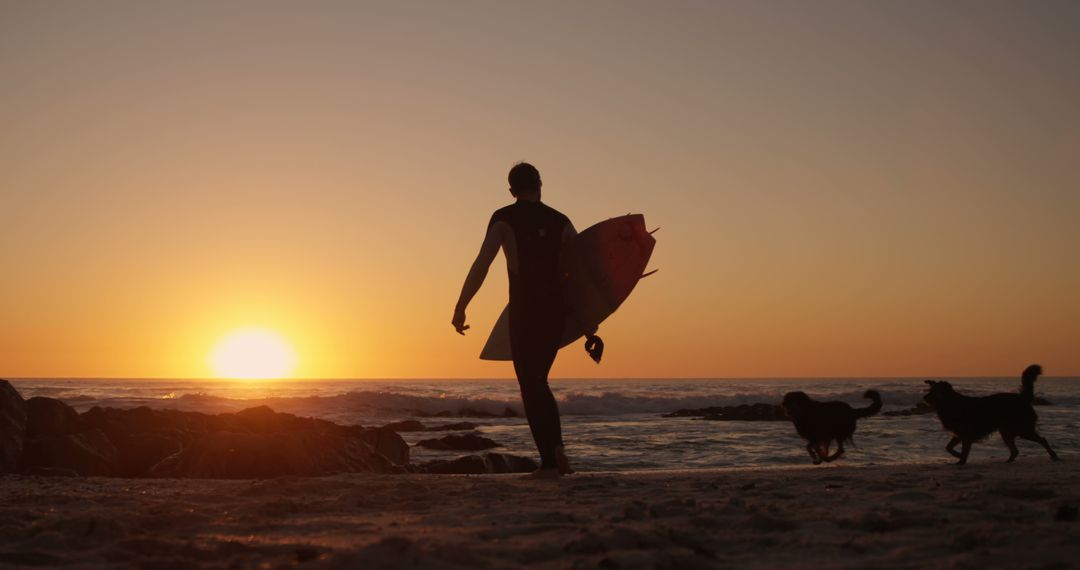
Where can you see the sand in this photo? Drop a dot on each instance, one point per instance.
(932, 515)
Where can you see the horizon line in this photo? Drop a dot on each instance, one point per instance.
(509, 378)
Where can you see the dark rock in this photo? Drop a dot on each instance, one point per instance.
(479, 464)
(465, 442)
(12, 427)
(468, 413)
(49, 416)
(408, 426)
(1037, 401)
(87, 453)
(256, 442)
(695, 412)
(118, 424)
(405, 426)
(140, 452)
(759, 412)
(919, 409)
(388, 443)
(244, 455)
(459, 426)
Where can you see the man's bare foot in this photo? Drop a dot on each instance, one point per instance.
(562, 462)
(551, 473)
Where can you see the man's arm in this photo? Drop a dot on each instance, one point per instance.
(488, 250)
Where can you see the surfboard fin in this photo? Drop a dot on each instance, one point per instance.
(644, 275)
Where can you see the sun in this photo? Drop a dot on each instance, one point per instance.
(252, 354)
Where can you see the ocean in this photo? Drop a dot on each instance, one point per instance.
(608, 425)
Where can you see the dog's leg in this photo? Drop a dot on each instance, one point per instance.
(1010, 440)
(1041, 441)
(965, 449)
(951, 447)
(810, 448)
(839, 450)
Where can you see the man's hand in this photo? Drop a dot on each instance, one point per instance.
(594, 345)
(459, 321)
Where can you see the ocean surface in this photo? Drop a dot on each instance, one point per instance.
(608, 425)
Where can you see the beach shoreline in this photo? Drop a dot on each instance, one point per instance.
(932, 514)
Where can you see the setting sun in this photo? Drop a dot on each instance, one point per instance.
(252, 354)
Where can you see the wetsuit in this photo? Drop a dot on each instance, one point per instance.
(537, 314)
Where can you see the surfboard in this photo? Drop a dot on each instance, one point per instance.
(604, 264)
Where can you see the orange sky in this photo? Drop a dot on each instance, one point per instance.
(845, 188)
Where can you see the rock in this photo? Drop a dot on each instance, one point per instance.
(459, 426)
(694, 412)
(468, 465)
(388, 443)
(49, 416)
(506, 463)
(408, 426)
(1037, 401)
(244, 455)
(919, 409)
(12, 427)
(138, 453)
(759, 412)
(468, 413)
(118, 424)
(87, 453)
(405, 426)
(466, 442)
(256, 442)
(477, 465)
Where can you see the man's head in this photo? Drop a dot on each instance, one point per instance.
(524, 179)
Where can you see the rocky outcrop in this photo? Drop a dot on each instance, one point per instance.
(468, 413)
(386, 442)
(144, 442)
(405, 426)
(465, 442)
(12, 427)
(408, 426)
(479, 465)
(759, 412)
(49, 416)
(245, 455)
(459, 426)
(919, 409)
(88, 452)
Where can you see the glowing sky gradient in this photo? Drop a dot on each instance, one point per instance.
(844, 188)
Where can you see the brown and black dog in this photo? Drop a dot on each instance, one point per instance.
(819, 423)
(970, 418)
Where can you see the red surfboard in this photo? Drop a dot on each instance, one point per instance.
(605, 263)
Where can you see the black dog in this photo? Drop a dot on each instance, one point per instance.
(970, 419)
(821, 422)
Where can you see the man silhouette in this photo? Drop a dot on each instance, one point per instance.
(533, 237)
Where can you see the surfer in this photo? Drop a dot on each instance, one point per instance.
(532, 235)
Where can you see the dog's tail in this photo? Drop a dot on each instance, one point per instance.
(1027, 381)
(873, 408)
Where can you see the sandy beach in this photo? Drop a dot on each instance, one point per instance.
(932, 515)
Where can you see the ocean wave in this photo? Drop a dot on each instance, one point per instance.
(396, 403)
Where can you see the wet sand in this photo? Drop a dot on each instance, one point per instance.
(932, 515)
